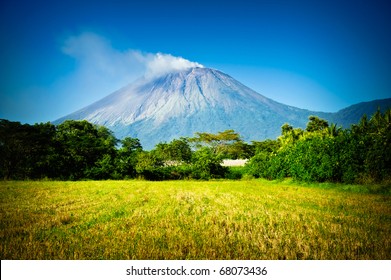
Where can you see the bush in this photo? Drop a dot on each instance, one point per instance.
(313, 160)
(179, 172)
(235, 172)
(206, 165)
(258, 165)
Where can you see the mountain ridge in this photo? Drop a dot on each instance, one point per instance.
(195, 100)
(354, 112)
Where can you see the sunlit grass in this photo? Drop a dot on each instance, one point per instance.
(192, 220)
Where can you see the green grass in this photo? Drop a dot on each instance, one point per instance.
(252, 219)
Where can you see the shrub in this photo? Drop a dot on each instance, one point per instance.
(235, 172)
(207, 165)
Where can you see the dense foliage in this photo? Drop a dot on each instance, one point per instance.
(324, 152)
(77, 150)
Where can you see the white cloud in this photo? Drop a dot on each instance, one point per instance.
(98, 60)
(160, 64)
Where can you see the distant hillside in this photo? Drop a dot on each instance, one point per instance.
(353, 114)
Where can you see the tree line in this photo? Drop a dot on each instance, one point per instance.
(76, 150)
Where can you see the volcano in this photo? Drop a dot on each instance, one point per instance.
(180, 103)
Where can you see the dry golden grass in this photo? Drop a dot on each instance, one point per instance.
(252, 219)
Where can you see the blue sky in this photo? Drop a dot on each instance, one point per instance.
(59, 56)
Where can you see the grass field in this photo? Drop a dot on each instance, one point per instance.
(252, 219)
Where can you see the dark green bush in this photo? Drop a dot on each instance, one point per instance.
(235, 172)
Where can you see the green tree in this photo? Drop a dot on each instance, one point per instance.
(14, 146)
(377, 162)
(268, 146)
(226, 144)
(289, 135)
(316, 124)
(207, 164)
(314, 159)
(127, 156)
(265, 153)
(40, 158)
(82, 145)
(333, 130)
(352, 152)
(149, 165)
(25, 150)
(178, 151)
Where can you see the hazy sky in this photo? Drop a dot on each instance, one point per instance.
(59, 56)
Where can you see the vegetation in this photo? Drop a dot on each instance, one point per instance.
(138, 219)
(323, 152)
(77, 150)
